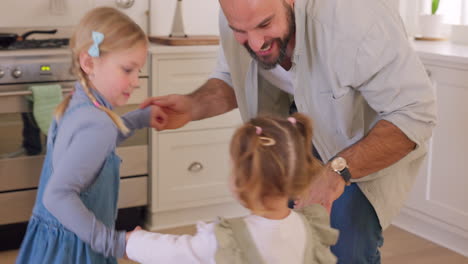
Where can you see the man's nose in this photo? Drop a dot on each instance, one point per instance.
(256, 41)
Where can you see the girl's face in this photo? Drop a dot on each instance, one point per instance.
(115, 74)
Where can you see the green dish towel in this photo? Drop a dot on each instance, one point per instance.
(45, 98)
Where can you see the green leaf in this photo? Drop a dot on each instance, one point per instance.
(435, 6)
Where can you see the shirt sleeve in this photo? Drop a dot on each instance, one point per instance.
(134, 120)
(393, 81)
(221, 70)
(76, 169)
(148, 247)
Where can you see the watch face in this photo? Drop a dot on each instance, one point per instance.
(338, 164)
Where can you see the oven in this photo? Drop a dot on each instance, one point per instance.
(22, 145)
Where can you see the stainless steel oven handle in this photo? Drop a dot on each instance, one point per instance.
(24, 93)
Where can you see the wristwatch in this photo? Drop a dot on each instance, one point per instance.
(340, 166)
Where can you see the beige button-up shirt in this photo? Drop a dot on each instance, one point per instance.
(353, 66)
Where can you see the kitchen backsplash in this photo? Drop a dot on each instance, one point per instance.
(155, 16)
(200, 16)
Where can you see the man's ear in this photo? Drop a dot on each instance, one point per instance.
(86, 63)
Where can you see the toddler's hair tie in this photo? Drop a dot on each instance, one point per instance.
(98, 37)
(96, 104)
(264, 141)
(292, 120)
(267, 141)
(258, 130)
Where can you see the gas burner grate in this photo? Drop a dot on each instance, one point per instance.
(37, 44)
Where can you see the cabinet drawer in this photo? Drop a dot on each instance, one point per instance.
(24, 172)
(17, 206)
(445, 75)
(183, 76)
(192, 169)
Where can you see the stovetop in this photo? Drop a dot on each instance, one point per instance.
(37, 44)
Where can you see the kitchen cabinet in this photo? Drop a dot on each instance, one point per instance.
(437, 208)
(190, 165)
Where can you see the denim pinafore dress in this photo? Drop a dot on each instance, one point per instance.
(47, 240)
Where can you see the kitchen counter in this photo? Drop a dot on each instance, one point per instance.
(443, 51)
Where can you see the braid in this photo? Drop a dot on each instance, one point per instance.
(60, 109)
(115, 118)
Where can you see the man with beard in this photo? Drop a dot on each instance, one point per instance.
(349, 66)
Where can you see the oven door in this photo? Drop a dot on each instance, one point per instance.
(20, 166)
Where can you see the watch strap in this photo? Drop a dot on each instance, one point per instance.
(346, 175)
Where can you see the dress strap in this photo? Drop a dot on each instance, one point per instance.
(235, 244)
(320, 235)
(242, 235)
(308, 253)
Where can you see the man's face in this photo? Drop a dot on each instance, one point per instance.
(264, 27)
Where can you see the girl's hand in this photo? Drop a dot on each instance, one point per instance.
(127, 236)
(171, 112)
(158, 118)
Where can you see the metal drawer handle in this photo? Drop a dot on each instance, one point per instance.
(23, 93)
(195, 167)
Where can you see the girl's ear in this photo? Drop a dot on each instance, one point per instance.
(86, 63)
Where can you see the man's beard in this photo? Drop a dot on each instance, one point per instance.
(282, 43)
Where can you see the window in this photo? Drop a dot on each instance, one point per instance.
(454, 11)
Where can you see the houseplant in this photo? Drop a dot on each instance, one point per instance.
(430, 25)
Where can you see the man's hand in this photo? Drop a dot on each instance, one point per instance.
(324, 190)
(172, 111)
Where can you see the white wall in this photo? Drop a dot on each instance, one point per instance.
(37, 13)
(200, 16)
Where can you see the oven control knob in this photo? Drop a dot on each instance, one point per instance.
(16, 73)
(2, 73)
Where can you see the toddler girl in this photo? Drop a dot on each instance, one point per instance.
(76, 204)
(272, 161)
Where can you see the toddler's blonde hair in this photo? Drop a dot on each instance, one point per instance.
(285, 169)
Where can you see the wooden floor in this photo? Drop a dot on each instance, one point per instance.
(400, 247)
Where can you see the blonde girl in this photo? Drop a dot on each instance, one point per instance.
(272, 162)
(76, 204)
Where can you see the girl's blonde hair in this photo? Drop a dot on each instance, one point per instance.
(283, 169)
(120, 33)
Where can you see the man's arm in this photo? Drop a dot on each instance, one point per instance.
(384, 145)
(213, 98)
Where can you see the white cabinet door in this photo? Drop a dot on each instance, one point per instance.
(193, 168)
(437, 208)
(441, 190)
(190, 165)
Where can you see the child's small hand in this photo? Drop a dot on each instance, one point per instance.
(158, 119)
(127, 236)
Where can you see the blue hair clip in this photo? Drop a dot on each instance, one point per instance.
(98, 37)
